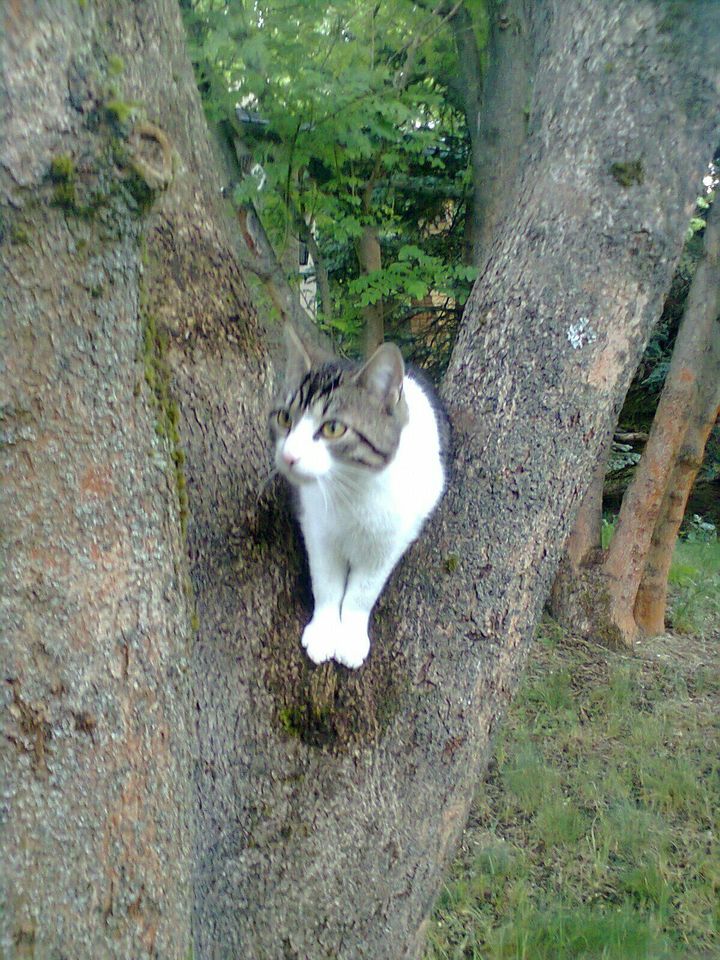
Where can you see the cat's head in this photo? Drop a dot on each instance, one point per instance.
(334, 416)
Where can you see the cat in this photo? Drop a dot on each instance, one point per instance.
(363, 446)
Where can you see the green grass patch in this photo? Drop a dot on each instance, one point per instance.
(694, 587)
(596, 833)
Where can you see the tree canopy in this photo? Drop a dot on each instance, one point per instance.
(346, 121)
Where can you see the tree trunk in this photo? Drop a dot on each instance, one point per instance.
(327, 800)
(95, 611)
(499, 127)
(370, 260)
(641, 506)
(329, 806)
(468, 86)
(567, 603)
(651, 599)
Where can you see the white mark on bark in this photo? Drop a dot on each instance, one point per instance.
(580, 333)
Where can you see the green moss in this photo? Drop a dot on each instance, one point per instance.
(628, 173)
(116, 65)
(120, 111)
(19, 235)
(62, 168)
(158, 377)
(140, 191)
(62, 174)
(452, 562)
(291, 721)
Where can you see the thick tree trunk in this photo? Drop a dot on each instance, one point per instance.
(96, 749)
(680, 399)
(651, 599)
(327, 800)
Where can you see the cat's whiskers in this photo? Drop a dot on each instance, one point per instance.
(323, 491)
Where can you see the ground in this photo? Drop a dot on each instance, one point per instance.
(597, 831)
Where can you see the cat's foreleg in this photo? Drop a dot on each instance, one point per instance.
(328, 574)
(363, 587)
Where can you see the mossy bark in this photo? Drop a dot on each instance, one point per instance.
(326, 801)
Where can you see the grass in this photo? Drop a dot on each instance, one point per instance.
(694, 584)
(597, 833)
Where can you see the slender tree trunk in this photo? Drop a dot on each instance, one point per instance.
(651, 599)
(468, 85)
(327, 801)
(321, 271)
(370, 260)
(255, 251)
(496, 102)
(641, 506)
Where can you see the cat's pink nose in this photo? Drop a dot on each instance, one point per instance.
(289, 459)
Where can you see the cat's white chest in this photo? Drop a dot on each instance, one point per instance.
(367, 517)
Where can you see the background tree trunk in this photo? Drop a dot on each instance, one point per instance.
(499, 127)
(640, 510)
(651, 599)
(370, 260)
(327, 800)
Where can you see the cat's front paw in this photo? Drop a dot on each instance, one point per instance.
(320, 636)
(353, 644)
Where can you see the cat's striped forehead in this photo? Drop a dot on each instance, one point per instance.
(317, 388)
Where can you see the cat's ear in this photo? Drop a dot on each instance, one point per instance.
(297, 359)
(383, 374)
(301, 357)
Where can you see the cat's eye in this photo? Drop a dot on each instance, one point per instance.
(333, 429)
(284, 420)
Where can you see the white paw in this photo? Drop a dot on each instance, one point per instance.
(320, 636)
(353, 644)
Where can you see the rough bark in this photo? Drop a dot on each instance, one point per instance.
(329, 804)
(497, 103)
(328, 800)
(95, 614)
(651, 599)
(573, 584)
(628, 553)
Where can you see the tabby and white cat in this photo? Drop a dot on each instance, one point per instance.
(362, 445)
